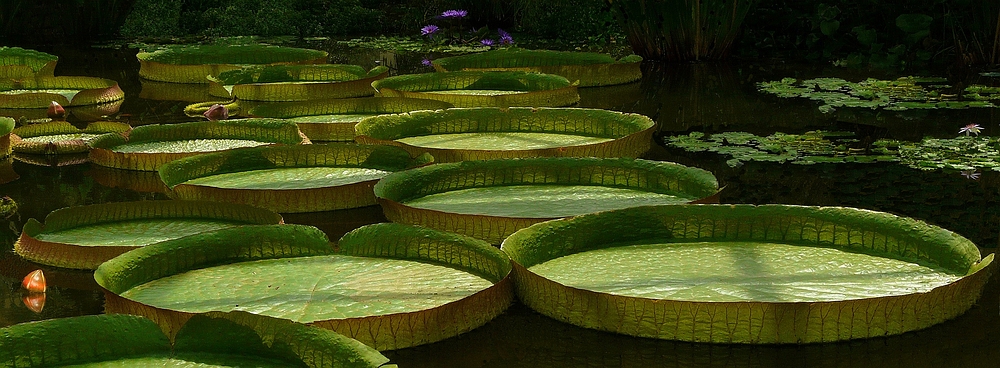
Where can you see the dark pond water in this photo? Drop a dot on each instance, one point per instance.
(682, 98)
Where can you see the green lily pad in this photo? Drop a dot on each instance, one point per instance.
(85, 236)
(465, 89)
(16, 62)
(209, 340)
(148, 147)
(301, 178)
(190, 64)
(894, 95)
(296, 82)
(60, 137)
(747, 274)
(464, 134)
(384, 279)
(325, 119)
(40, 92)
(590, 69)
(491, 199)
(6, 128)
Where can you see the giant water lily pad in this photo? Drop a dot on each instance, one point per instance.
(491, 199)
(84, 236)
(482, 88)
(301, 178)
(390, 286)
(296, 82)
(209, 340)
(747, 274)
(148, 147)
(60, 137)
(37, 93)
(464, 134)
(591, 69)
(325, 119)
(16, 62)
(191, 64)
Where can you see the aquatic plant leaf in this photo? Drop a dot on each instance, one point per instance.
(387, 303)
(39, 92)
(510, 133)
(808, 148)
(191, 64)
(6, 127)
(531, 89)
(61, 137)
(590, 69)
(80, 340)
(604, 271)
(213, 339)
(326, 119)
(148, 147)
(16, 62)
(300, 178)
(555, 177)
(85, 236)
(296, 82)
(895, 95)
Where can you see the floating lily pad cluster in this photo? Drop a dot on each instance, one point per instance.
(895, 95)
(809, 148)
(960, 153)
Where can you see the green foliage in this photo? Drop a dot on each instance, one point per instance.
(896, 95)
(966, 153)
(589, 20)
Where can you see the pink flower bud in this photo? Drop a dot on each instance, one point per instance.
(56, 111)
(217, 112)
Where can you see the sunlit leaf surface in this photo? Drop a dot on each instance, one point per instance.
(736, 271)
(307, 289)
(290, 178)
(500, 140)
(541, 201)
(190, 145)
(133, 233)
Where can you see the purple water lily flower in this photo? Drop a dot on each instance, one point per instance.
(486, 42)
(428, 29)
(453, 14)
(426, 62)
(971, 129)
(971, 174)
(505, 37)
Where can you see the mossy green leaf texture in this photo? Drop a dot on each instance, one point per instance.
(541, 201)
(740, 272)
(290, 178)
(307, 289)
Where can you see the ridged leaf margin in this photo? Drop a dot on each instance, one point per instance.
(591, 69)
(749, 322)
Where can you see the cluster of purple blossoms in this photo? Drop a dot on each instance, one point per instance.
(453, 14)
(505, 39)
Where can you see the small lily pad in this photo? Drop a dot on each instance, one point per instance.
(296, 82)
(37, 93)
(60, 137)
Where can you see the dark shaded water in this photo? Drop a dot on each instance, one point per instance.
(682, 98)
